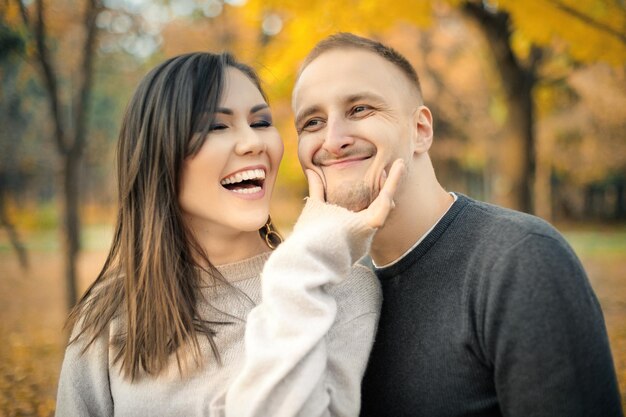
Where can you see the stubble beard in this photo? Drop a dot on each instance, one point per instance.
(354, 195)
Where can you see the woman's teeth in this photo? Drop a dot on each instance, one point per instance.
(252, 190)
(245, 182)
(252, 174)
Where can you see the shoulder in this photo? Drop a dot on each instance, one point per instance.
(508, 220)
(505, 248)
(98, 312)
(519, 258)
(500, 229)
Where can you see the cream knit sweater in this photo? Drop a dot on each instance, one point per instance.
(301, 351)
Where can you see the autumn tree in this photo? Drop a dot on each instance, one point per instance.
(68, 106)
(11, 45)
(592, 30)
(520, 35)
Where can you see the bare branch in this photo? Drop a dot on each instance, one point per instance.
(23, 12)
(91, 13)
(588, 20)
(49, 76)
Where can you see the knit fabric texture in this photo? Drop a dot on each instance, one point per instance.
(491, 314)
(302, 327)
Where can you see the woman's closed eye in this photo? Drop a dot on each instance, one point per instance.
(217, 126)
(261, 123)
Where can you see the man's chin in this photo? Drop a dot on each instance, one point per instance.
(354, 196)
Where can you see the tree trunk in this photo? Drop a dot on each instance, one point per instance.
(69, 137)
(515, 165)
(71, 162)
(543, 180)
(8, 226)
(620, 200)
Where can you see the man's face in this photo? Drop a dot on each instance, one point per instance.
(355, 114)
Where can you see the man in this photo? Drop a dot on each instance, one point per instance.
(486, 311)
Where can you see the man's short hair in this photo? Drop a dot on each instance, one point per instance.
(344, 40)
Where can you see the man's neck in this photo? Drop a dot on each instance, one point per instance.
(417, 210)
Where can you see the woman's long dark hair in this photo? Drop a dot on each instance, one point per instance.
(151, 278)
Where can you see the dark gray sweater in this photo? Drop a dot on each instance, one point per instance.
(491, 315)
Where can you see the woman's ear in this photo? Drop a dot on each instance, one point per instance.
(423, 124)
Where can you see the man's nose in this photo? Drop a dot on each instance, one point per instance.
(250, 142)
(338, 136)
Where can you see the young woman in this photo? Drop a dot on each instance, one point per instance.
(188, 317)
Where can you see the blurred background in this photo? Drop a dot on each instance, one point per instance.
(529, 100)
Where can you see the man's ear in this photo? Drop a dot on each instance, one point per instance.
(423, 123)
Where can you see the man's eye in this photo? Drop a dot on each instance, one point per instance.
(360, 109)
(312, 124)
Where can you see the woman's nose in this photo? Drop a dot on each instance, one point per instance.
(250, 142)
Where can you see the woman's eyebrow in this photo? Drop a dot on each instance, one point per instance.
(259, 107)
(230, 112)
(224, 110)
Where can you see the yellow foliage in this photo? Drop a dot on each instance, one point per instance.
(589, 28)
(585, 135)
(26, 381)
(11, 13)
(539, 22)
(305, 23)
(579, 30)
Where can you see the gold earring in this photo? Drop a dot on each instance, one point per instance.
(271, 236)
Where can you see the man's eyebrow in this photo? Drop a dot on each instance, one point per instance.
(352, 98)
(306, 113)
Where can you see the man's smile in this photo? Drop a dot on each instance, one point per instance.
(343, 163)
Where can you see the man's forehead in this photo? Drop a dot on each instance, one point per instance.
(343, 72)
(339, 67)
(330, 62)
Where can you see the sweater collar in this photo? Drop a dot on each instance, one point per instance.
(424, 246)
(244, 269)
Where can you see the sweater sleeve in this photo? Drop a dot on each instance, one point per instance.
(84, 381)
(305, 349)
(544, 335)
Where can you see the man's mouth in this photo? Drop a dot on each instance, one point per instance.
(249, 181)
(344, 162)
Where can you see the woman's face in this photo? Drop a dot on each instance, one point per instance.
(227, 185)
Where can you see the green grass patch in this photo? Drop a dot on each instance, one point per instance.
(598, 243)
(93, 237)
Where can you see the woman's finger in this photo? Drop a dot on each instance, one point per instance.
(393, 179)
(383, 179)
(316, 186)
(377, 212)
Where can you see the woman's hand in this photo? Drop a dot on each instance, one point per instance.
(376, 213)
